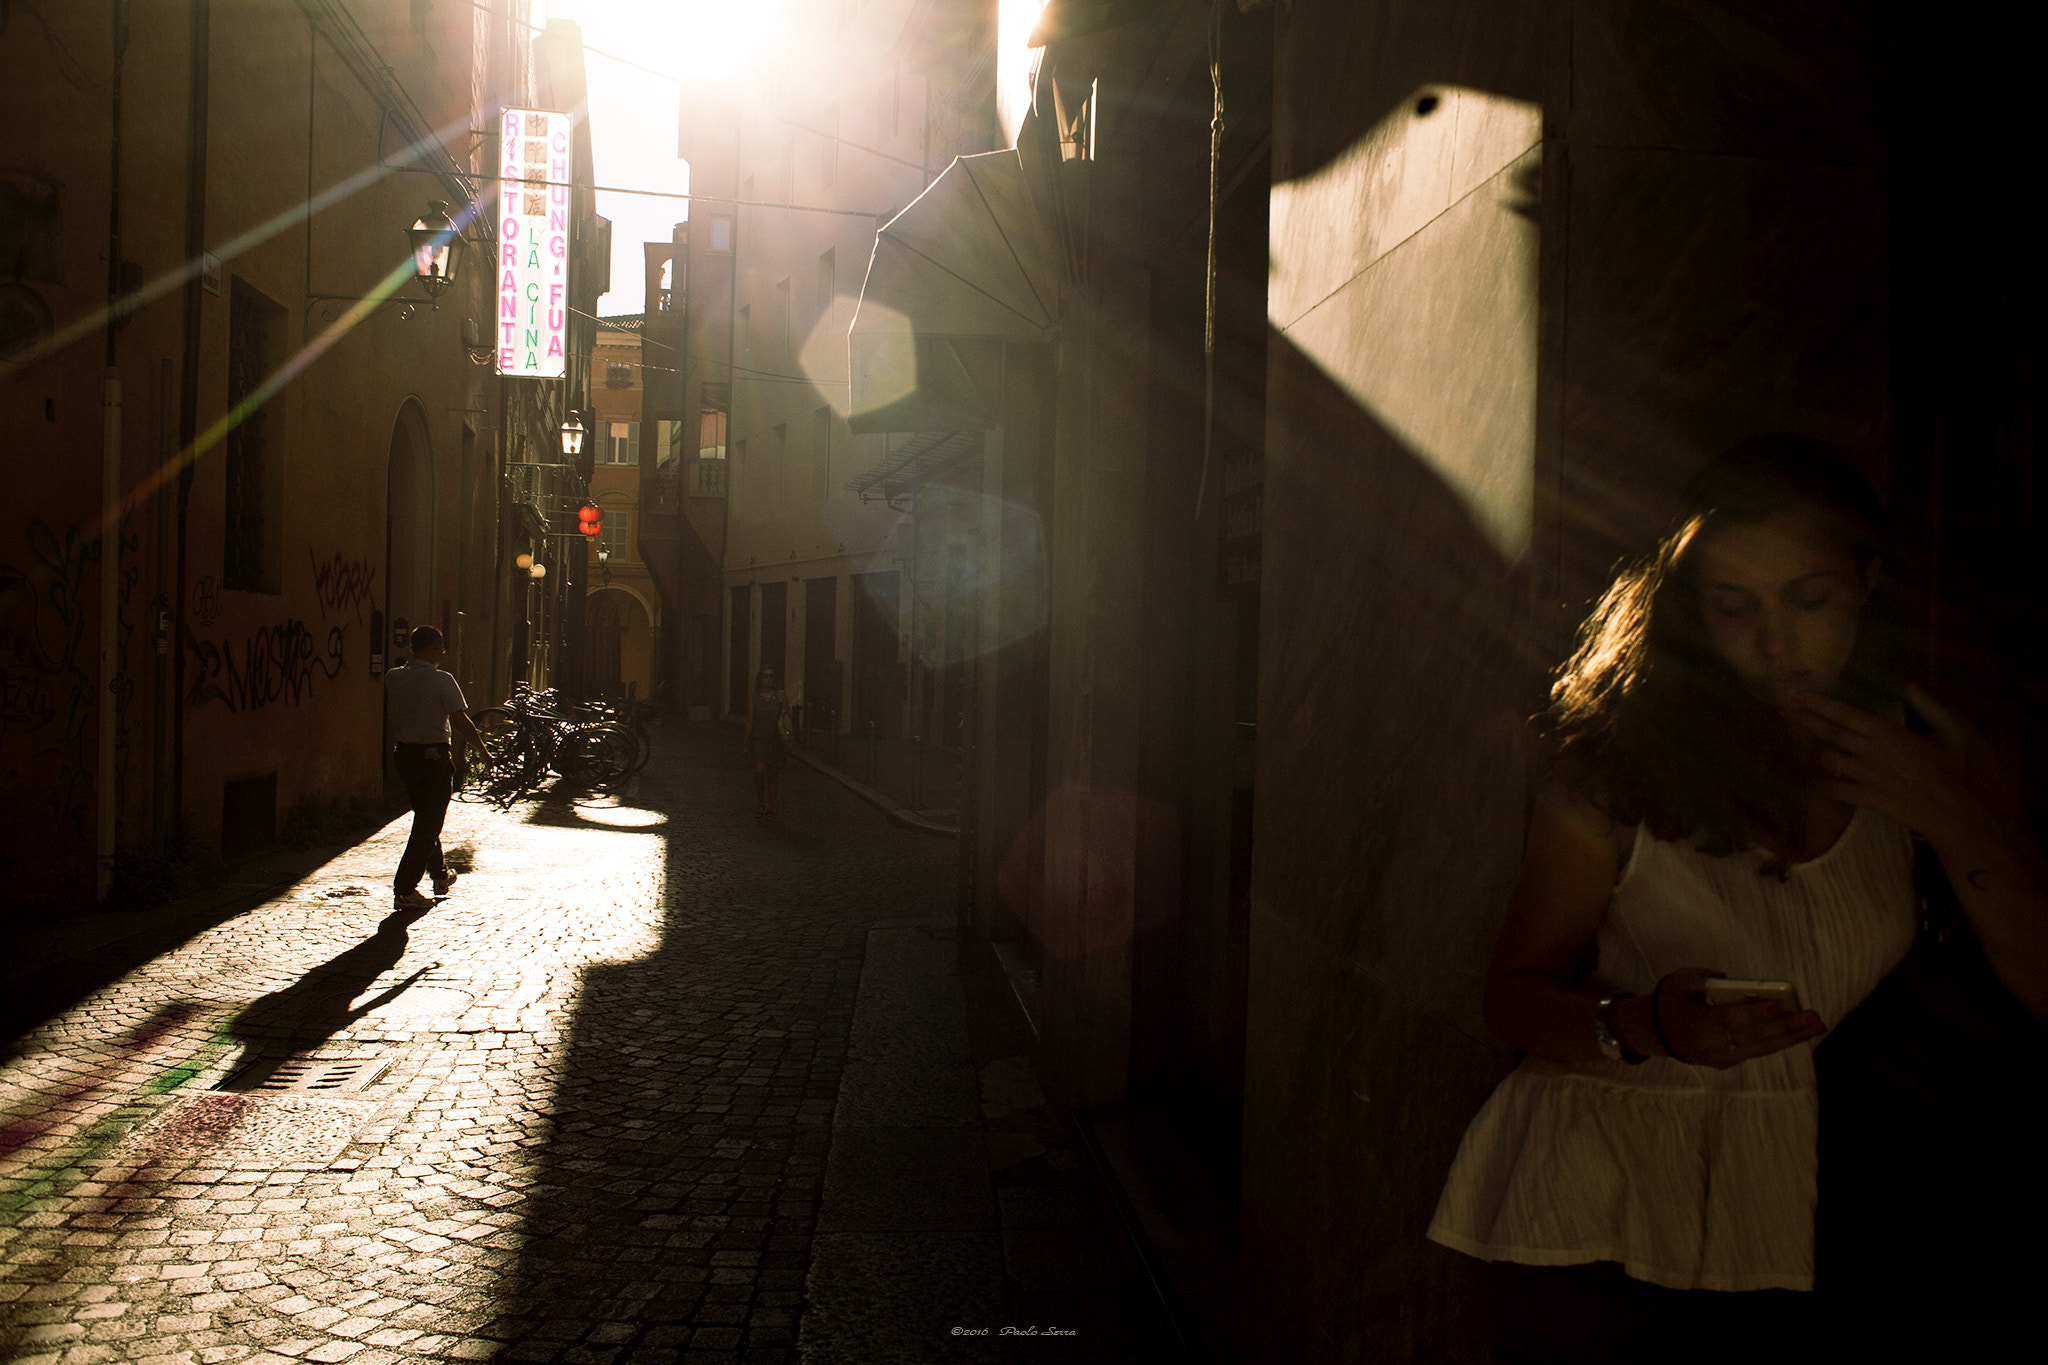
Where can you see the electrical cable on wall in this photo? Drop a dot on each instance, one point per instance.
(1209, 275)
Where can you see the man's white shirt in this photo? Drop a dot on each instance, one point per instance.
(421, 697)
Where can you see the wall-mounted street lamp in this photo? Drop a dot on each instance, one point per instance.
(480, 351)
(436, 250)
(538, 571)
(572, 436)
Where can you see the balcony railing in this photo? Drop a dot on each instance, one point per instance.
(529, 485)
(709, 479)
(541, 490)
(658, 495)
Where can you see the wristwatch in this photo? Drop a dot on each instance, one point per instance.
(1611, 1046)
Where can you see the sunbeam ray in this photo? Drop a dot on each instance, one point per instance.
(89, 323)
(361, 308)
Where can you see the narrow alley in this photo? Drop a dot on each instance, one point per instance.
(653, 1082)
(1292, 557)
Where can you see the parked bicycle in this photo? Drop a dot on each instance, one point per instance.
(591, 746)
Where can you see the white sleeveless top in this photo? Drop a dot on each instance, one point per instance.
(1690, 1177)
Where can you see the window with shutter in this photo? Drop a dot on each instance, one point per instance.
(617, 538)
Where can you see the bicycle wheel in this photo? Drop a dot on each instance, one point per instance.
(518, 773)
(628, 749)
(507, 738)
(594, 756)
(471, 777)
(500, 726)
(616, 744)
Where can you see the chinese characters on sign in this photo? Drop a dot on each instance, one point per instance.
(533, 237)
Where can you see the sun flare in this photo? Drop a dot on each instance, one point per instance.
(682, 39)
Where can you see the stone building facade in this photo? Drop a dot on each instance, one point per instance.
(790, 179)
(249, 454)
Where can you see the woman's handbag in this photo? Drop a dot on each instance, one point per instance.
(784, 731)
(1931, 1175)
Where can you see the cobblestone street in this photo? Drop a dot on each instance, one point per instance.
(654, 1083)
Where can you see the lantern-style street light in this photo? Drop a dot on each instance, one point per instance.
(436, 246)
(572, 436)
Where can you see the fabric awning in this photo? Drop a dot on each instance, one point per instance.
(920, 459)
(966, 267)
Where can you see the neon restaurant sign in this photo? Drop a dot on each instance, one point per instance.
(533, 243)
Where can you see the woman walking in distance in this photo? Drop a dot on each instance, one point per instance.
(763, 740)
(1735, 791)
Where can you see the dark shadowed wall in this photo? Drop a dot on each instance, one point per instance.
(1531, 266)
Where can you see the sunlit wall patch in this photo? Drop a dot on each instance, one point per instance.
(534, 162)
(1405, 268)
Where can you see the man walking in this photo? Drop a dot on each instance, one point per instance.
(425, 702)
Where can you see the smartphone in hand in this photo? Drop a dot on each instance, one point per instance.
(1721, 990)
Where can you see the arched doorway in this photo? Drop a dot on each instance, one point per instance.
(619, 644)
(408, 534)
(603, 631)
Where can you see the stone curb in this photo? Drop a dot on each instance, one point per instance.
(881, 801)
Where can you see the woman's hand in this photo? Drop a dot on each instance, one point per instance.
(1722, 1036)
(1952, 789)
(1936, 784)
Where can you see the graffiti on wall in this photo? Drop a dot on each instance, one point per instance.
(275, 664)
(28, 697)
(46, 690)
(206, 601)
(342, 584)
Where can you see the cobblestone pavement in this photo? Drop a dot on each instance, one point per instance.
(598, 1105)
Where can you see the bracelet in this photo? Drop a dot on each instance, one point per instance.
(1603, 1029)
(1657, 1020)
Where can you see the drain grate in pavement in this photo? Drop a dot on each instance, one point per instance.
(304, 1076)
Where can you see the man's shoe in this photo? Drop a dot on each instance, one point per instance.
(443, 882)
(411, 900)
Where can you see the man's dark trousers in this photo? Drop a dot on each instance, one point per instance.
(428, 778)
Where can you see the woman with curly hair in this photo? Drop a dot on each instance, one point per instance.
(1735, 792)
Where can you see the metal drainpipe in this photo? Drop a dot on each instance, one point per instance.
(188, 379)
(106, 781)
(160, 609)
(732, 416)
(501, 476)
